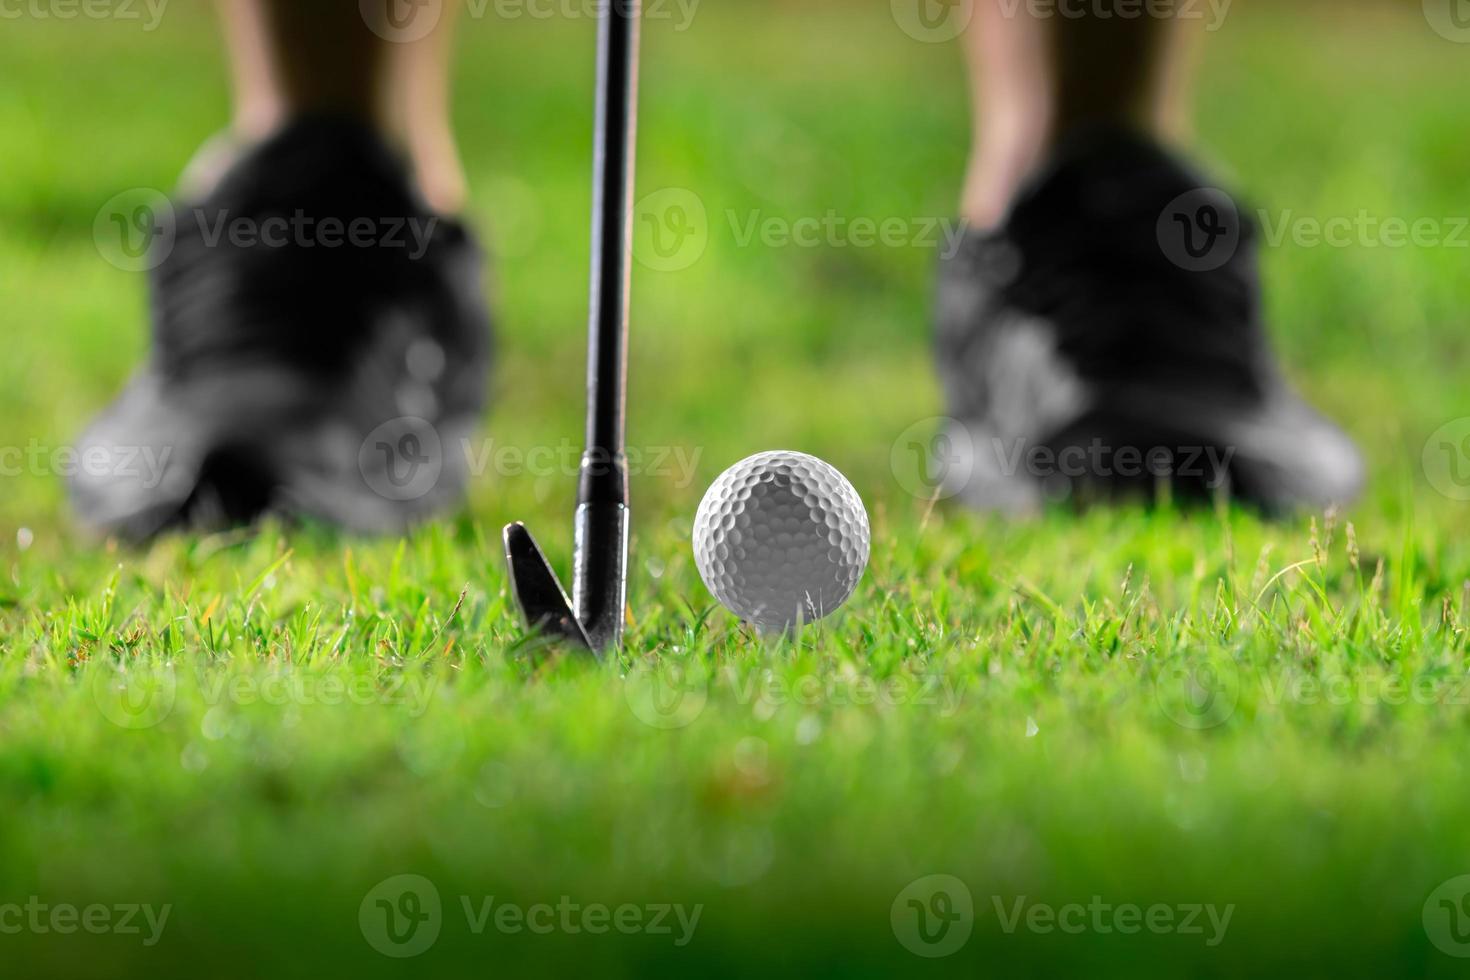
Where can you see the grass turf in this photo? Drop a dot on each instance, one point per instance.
(1015, 705)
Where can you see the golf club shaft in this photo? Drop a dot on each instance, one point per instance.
(599, 578)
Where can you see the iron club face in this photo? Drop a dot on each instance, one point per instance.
(542, 600)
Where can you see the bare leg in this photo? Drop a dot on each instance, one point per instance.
(420, 111)
(293, 56)
(1033, 80)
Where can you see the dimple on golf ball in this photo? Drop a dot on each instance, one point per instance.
(781, 538)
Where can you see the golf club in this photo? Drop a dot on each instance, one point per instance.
(593, 617)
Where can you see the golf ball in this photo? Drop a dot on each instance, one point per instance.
(781, 538)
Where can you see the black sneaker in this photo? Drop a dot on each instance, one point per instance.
(1108, 337)
(321, 344)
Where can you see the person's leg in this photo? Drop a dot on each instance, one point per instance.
(289, 57)
(321, 339)
(1035, 79)
(419, 88)
(1104, 305)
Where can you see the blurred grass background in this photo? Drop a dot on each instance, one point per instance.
(1327, 825)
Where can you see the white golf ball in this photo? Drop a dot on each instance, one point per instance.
(781, 538)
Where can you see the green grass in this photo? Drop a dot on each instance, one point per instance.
(1007, 703)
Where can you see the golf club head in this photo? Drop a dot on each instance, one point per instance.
(543, 601)
(600, 571)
